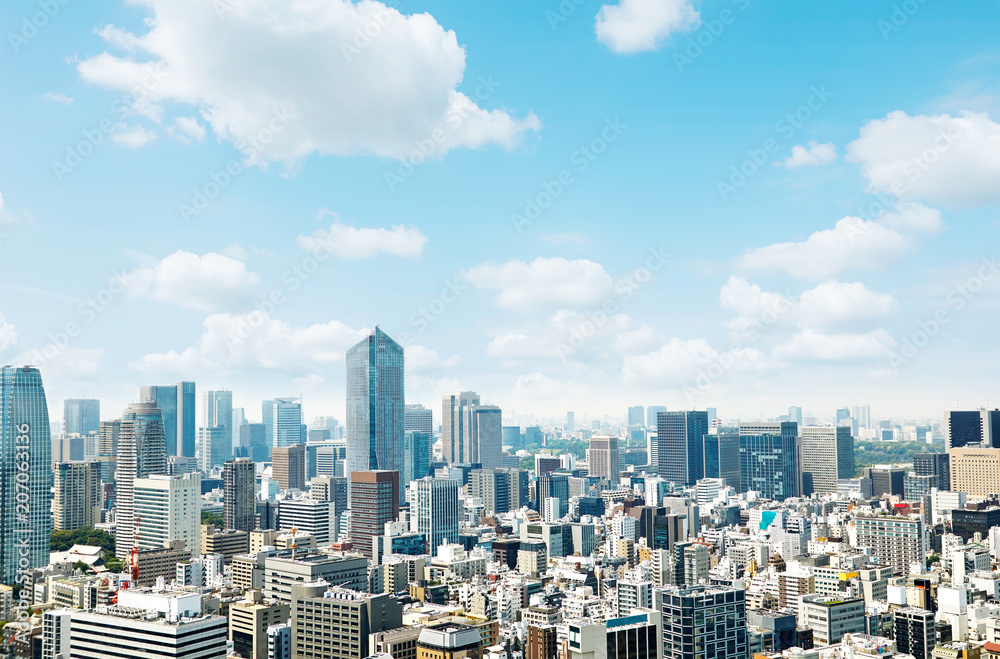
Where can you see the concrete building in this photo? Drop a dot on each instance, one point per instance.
(288, 466)
(337, 622)
(603, 458)
(317, 518)
(541, 642)
(449, 641)
(239, 478)
(374, 502)
(130, 632)
(831, 617)
(828, 455)
(896, 541)
(975, 471)
(720, 631)
(914, 631)
(77, 501)
(229, 544)
(399, 643)
(282, 572)
(169, 508)
(436, 513)
(249, 621)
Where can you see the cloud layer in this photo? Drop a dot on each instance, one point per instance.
(634, 26)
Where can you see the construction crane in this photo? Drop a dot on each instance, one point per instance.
(133, 562)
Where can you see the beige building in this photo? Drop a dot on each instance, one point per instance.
(77, 500)
(975, 471)
(249, 620)
(228, 543)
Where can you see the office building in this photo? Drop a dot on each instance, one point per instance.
(541, 642)
(374, 497)
(437, 512)
(417, 418)
(492, 487)
(603, 459)
(130, 632)
(554, 486)
(652, 413)
(239, 494)
(973, 429)
(282, 419)
(471, 432)
(886, 480)
(336, 622)
(416, 455)
(704, 621)
(177, 408)
(975, 471)
(768, 459)
(214, 447)
(288, 466)
(283, 572)
(487, 436)
(722, 455)
(897, 542)
(217, 410)
(107, 443)
(512, 436)
(81, 416)
(253, 438)
(933, 464)
(570, 426)
(914, 631)
(795, 415)
(680, 440)
(249, 620)
(449, 641)
(831, 617)
(917, 487)
(77, 501)
(375, 405)
(967, 523)
(827, 455)
(636, 416)
(141, 453)
(317, 518)
(169, 508)
(25, 448)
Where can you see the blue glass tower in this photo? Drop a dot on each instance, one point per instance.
(375, 404)
(25, 473)
(769, 462)
(680, 445)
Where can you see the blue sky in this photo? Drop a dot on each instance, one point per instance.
(654, 274)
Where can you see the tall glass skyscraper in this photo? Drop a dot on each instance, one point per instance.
(680, 438)
(375, 407)
(769, 462)
(282, 419)
(186, 431)
(141, 452)
(25, 473)
(82, 416)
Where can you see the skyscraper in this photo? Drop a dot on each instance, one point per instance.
(651, 412)
(603, 459)
(169, 508)
(186, 430)
(933, 464)
(722, 455)
(827, 454)
(25, 461)
(108, 438)
(795, 414)
(282, 422)
(141, 452)
(81, 416)
(636, 415)
(416, 456)
(704, 622)
(975, 429)
(288, 466)
(554, 487)
(456, 434)
(374, 496)
(164, 397)
(437, 512)
(213, 447)
(768, 459)
(863, 415)
(375, 405)
(570, 422)
(77, 500)
(487, 436)
(418, 418)
(239, 480)
(217, 411)
(680, 440)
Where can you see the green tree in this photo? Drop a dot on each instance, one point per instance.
(80, 565)
(215, 519)
(63, 540)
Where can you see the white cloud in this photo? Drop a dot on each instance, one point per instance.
(573, 335)
(8, 335)
(347, 242)
(187, 129)
(634, 26)
(206, 283)
(852, 244)
(810, 155)
(545, 283)
(282, 80)
(57, 98)
(420, 359)
(687, 363)
(254, 340)
(833, 305)
(134, 137)
(941, 158)
(814, 346)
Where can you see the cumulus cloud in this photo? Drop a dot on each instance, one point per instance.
(852, 244)
(134, 137)
(281, 80)
(939, 158)
(207, 283)
(634, 26)
(254, 340)
(815, 346)
(810, 155)
(545, 283)
(8, 334)
(187, 130)
(833, 305)
(686, 363)
(347, 242)
(573, 335)
(420, 359)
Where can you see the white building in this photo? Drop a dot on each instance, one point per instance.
(169, 508)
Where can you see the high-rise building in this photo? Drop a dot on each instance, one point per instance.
(460, 429)
(418, 418)
(512, 436)
(449, 641)
(704, 621)
(77, 500)
(570, 422)
(652, 413)
(26, 460)
(933, 464)
(722, 455)
(375, 405)
(843, 414)
(680, 440)
(416, 455)
(217, 416)
(253, 437)
(169, 508)
(897, 542)
(975, 471)
(141, 453)
(973, 429)
(636, 415)
(336, 622)
(288, 466)
(249, 621)
(542, 642)
(768, 459)
(317, 518)
(554, 487)
(214, 447)
(828, 455)
(886, 480)
(914, 631)
(96, 634)
(239, 478)
(108, 438)
(437, 512)
(186, 426)
(830, 617)
(374, 497)
(81, 416)
(176, 403)
(492, 487)
(603, 459)
(282, 419)
(795, 414)
(487, 436)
